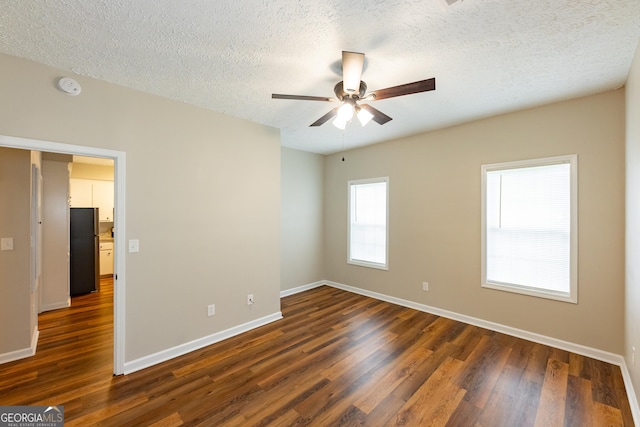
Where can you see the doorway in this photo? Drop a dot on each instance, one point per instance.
(119, 281)
(90, 188)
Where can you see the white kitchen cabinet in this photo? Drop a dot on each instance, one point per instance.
(91, 193)
(106, 259)
(81, 193)
(103, 199)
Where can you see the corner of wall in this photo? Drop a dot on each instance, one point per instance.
(632, 232)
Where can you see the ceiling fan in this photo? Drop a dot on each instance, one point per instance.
(352, 91)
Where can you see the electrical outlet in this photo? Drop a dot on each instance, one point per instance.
(211, 310)
(425, 286)
(250, 299)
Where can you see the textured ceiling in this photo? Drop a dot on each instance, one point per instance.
(488, 56)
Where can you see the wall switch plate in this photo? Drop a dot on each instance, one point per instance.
(6, 244)
(425, 286)
(250, 299)
(134, 245)
(211, 310)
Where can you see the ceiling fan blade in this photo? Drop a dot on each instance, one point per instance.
(322, 120)
(405, 89)
(352, 64)
(302, 97)
(378, 116)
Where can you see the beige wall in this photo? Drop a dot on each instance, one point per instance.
(301, 224)
(202, 197)
(90, 171)
(15, 284)
(632, 307)
(435, 217)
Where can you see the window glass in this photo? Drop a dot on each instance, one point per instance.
(529, 223)
(368, 222)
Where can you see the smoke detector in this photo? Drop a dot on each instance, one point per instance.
(69, 86)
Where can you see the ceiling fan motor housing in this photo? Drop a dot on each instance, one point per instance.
(343, 95)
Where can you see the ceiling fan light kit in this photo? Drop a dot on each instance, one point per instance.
(345, 113)
(364, 116)
(352, 90)
(340, 124)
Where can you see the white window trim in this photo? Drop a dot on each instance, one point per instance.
(572, 296)
(362, 263)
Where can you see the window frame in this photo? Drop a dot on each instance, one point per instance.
(572, 295)
(364, 263)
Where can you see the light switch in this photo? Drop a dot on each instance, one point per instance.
(6, 244)
(134, 245)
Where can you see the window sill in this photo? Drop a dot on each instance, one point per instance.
(368, 264)
(534, 292)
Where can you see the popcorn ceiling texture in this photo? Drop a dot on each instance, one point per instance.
(488, 56)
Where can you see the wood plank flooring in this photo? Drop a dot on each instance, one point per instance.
(336, 359)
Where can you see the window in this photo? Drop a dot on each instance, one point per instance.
(368, 219)
(529, 227)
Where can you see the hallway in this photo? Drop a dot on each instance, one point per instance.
(75, 343)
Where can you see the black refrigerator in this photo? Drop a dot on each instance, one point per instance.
(84, 243)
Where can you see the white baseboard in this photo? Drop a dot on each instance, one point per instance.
(55, 306)
(302, 288)
(170, 353)
(633, 398)
(22, 353)
(594, 353)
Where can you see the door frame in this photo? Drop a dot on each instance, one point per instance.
(119, 281)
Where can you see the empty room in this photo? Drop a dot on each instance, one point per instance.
(418, 213)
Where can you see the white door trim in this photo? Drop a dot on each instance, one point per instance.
(119, 218)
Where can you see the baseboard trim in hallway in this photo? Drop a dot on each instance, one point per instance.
(22, 353)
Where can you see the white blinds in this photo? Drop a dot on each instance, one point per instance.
(368, 222)
(528, 223)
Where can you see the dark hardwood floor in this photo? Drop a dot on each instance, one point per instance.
(335, 359)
